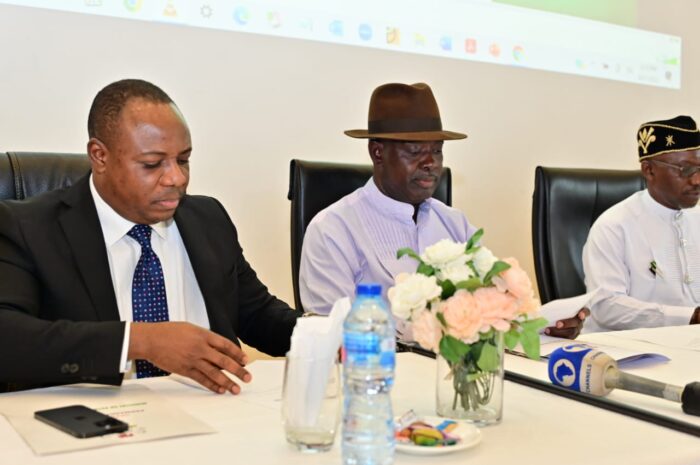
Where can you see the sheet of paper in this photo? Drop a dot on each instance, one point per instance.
(265, 388)
(561, 309)
(149, 416)
(678, 337)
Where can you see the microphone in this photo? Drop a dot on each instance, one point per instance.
(581, 368)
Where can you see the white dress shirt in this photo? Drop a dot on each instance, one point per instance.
(647, 257)
(185, 300)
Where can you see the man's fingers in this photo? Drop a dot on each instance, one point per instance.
(225, 363)
(205, 381)
(215, 374)
(566, 333)
(583, 313)
(222, 361)
(228, 348)
(568, 323)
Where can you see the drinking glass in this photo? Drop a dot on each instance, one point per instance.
(311, 402)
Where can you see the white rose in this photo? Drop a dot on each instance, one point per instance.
(455, 272)
(483, 261)
(444, 252)
(412, 292)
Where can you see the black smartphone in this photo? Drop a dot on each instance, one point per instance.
(81, 421)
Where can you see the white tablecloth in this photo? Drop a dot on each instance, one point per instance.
(537, 428)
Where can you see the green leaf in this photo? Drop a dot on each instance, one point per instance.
(408, 251)
(472, 250)
(534, 325)
(470, 284)
(496, 269)
(441, 319)
(453, 349)
(476, 347)
(530, 340)
(425, 269)
(488, 359)
(448, 289)
(476, 237)
(511, 338)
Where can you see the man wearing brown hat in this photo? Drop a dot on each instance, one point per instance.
(645, 251)
(356, 239)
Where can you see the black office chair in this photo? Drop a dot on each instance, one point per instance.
(565, 204)
(26, 174)
(315, 185)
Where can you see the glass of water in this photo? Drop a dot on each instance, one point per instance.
(311, 402)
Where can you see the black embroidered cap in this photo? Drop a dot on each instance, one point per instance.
(673, 135)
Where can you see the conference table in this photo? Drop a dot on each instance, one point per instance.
(537, 427)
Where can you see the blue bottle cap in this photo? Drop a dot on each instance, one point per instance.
(369, 289)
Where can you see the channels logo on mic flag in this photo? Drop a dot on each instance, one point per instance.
(580, 368)
(565, 365)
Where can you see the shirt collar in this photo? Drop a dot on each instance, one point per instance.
(114, 226)
(387, 206)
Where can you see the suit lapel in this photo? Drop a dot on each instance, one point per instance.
(206, 267)
(84, 236)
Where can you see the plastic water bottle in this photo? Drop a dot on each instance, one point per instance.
(369, 342)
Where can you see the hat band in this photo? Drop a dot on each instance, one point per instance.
(384, 126)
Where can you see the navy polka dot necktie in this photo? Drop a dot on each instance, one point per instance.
(148, 300)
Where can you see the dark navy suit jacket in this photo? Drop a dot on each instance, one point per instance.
(59, 321)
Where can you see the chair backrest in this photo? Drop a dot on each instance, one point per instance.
(566, 203)
(314, 186)
(26, 174)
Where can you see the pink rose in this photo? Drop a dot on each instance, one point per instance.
(514, 280)
(529, 306)
(462, 316)
(427, 331)
(497, 308)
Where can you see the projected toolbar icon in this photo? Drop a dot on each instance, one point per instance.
(470, 46)
(306, 24)
(393, 36)
(518, 53)
(206, 11)
(336, 28)
(241, 15)
(495, 50)
(170, 11)
(274, 19)
(133, 5)
(446, 43)
(419, 40)
(365, 31)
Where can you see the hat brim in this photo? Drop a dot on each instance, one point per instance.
(408, 136)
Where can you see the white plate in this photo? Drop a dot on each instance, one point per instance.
(468, 435)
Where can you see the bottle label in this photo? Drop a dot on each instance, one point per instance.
(367, 349)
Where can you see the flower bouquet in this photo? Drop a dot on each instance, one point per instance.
(465, 304)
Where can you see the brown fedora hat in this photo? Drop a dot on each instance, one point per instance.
(404, 112)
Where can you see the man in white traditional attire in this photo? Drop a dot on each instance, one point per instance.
(645, 251)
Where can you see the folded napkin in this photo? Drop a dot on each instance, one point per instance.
(311, 357)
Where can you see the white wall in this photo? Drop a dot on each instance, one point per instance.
(255, 102)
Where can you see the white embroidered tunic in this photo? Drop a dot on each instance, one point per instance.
(647, 257)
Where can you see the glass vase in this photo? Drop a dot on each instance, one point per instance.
(467, 392)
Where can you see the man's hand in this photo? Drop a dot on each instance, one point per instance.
(191, 351)
(569, 328)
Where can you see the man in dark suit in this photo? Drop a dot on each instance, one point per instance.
(124, 266)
